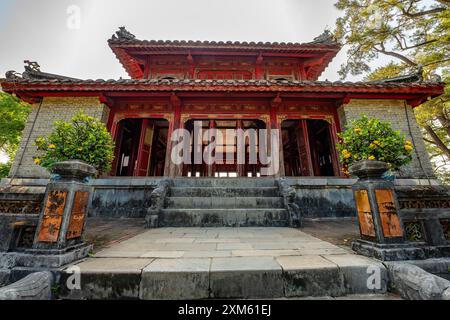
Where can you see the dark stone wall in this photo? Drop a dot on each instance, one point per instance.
(121, 197)
(324, 197)
(130, 196)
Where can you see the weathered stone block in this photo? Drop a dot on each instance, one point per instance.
(4, 277)
(361, 275)
(36, 286)
(246, 277)
(310, 276)
(105, 278)
(176, 279)
(415, 283)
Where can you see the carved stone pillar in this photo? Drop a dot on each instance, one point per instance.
(62, 219)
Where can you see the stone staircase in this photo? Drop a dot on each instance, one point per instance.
(230, 202)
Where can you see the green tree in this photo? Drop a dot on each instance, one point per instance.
(371, 139)
(82, 138)
(13, 116)
(416, 35)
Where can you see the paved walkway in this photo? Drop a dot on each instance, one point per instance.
(220, 243)
(198, 263)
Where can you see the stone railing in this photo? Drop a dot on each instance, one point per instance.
(36, 286)
(425, 212)
(289, 195)
(158, 198)
(19, 213)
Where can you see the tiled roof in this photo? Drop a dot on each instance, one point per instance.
(125, 37)
(124, 42)
(224, 44)
(209, 85)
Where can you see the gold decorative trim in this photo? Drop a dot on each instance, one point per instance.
(281, 118)
(329, 119)
(168, 116)
(265, 118)
(118, 117)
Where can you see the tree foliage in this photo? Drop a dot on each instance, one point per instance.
(416, 35)
(82, 138)
(371, 139)
(415, 32)
(13, 116)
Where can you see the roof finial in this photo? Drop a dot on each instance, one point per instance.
(32, 66)
(13, 75)
(326, 37)
(123, 34)
(419, 72)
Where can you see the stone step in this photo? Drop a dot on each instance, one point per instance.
(224, 192)
(225, 182)
(224, 202)
(224, 218)
(225, 277)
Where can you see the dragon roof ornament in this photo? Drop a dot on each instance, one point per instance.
(123, 34)
(326, 37)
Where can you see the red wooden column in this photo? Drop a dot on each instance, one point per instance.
(191, 66)
(116, 133)
(240, 168)
(211, 168)
(332, 130)
(275, 123)
(136, 171)
(304, 149)
(145, 147)
(170, 169)
(302, 72)
(259, 73)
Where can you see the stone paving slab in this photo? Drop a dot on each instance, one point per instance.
(104, 265)
(105, 278)
(357, 270)
(311, 276)
(207, 254)
(198, 263)
(246, 277)
(176, 279)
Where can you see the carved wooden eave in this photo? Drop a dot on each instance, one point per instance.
(413, 93)
(128, 52)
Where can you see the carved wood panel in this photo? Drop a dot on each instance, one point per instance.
(78, 215)
(53, 214)
(365, 218)
(388, 213)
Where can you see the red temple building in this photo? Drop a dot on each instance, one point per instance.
(221, 85)
(224, 85)
(255, 87)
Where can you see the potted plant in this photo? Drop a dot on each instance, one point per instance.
(83, 138)
(369, 148)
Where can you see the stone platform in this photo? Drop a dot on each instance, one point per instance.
(201, 263)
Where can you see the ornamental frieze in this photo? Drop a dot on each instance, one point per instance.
(424, 203)
(20, 207)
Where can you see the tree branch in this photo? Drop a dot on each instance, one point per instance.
(395, 54)
(422, 13)
(430, 141)
(437, 141)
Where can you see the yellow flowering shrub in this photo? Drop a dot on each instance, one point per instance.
(371, 139)
(82, 138)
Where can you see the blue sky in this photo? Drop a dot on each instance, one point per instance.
(37, 29)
